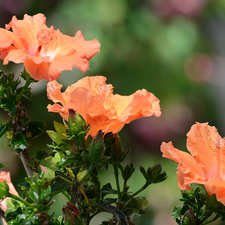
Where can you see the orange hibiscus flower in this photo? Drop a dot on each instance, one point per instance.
(44, 51)
(94, 100)
(6, 176)
(206, 163)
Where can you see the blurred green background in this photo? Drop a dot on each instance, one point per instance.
(174, 49)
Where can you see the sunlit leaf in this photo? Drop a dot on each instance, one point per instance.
(19, 143)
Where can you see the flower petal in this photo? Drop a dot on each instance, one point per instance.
(44, 51)
(27, 29)
(199, 144)
(188, 169)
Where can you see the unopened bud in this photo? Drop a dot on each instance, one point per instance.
(76, 123)
(97, 148)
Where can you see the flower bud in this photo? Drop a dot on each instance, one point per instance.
(4, 190)
(115, 150)
(76, 124)
(189, 217)
(70, 212)
(97, 148)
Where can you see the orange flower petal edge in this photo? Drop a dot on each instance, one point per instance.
(6, 176)
(94, 100)
(206, 162)
(44, 51)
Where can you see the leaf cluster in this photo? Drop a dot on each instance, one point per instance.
(19, 129)
(198, 208)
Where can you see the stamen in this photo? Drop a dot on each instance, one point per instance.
(43, 37)
(105, 90)
(218, 148)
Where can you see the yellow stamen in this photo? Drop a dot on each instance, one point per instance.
(105, 90)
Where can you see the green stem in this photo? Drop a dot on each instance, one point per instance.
(210, 221)
(24, 88)
(140, 190)
(92, 166)
(19, 199)
(25, 158)
(116, 173)
(66, 195)
(124, 185)
(63, 178)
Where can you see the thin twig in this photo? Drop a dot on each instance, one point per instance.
(25, 158)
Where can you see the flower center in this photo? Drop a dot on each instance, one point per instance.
(218, 148)
(43, 37)
(105, 90)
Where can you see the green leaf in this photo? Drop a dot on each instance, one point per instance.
(107, 189)
(109, 200)
(42, 155)
(54, 136)
(19, 143)
(34, 194)
(4, 127)
(36, 128)
(26, 76)
(3, 165)
(45, 193)
(8, 104)
(60, 128)
(12, 214)
(26, 92)
(143, 172)
(56, 158)
(47, 172)
(132, 206)
(59, 186)
(12, 205)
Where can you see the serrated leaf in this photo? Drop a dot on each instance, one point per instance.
(26, 76)
(26, 93)
(19, 143)
(8, 104)
(143, 201)
(56, 158)
(36, 128)
(133, 206)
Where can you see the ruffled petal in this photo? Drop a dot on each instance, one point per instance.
(59, 109)
(217, 187)
(27, 30)
(91, 48)
(200, 141)
(189, 170)
(44, 51)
